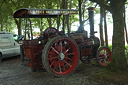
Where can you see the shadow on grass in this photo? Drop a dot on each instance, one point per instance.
(102, 75)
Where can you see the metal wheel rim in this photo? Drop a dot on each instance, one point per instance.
(104, 56)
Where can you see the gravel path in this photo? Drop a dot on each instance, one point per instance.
(13, 73)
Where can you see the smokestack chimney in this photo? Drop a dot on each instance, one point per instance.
(91, 20)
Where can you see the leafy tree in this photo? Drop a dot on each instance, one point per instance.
(116, 7)
(103, 21)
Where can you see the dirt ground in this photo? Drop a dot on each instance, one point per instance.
(13, 73)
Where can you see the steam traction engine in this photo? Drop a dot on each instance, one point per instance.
(59, 52)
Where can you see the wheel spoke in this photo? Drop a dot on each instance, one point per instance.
(55, 65)
(52, 58)
(64, 67)
(52, 63)
(100, 57)
(61, 48)
(67, 63)
(52, 53)
(55, 50)
(60, 68)
(69, 54)
(67, 50)
(105, 61)
(68, 58)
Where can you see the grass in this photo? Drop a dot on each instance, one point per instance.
(106, 75)
(102, 75)
(126, 52)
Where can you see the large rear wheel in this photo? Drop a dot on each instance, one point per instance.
(60, 56)
(103, 56)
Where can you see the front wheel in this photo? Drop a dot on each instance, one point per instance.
(103, 57)
(60, 56)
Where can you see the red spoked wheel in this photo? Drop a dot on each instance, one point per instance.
(60, 56)
(103, 56)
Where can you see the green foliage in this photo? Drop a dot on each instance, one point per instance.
(8, 7)
(126, 52)
(110, 46)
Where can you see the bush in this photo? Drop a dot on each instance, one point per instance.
(110, 46)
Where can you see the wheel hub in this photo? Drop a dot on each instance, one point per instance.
(61, 56)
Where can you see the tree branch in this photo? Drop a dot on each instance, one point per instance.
(16, 21)
(13, 3)
(105, 6)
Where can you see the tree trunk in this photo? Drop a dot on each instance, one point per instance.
(19, 27)
(18, 23)
(6, 27)
(64, 6)
(58, 22)
(105, 29)
(41, 25)
(31, 30)
(101, 27)
(63, 27)
(49, 22)
(2, 26)
(118, 61)
(125, 27)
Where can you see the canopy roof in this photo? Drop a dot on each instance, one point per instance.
(42, 13)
